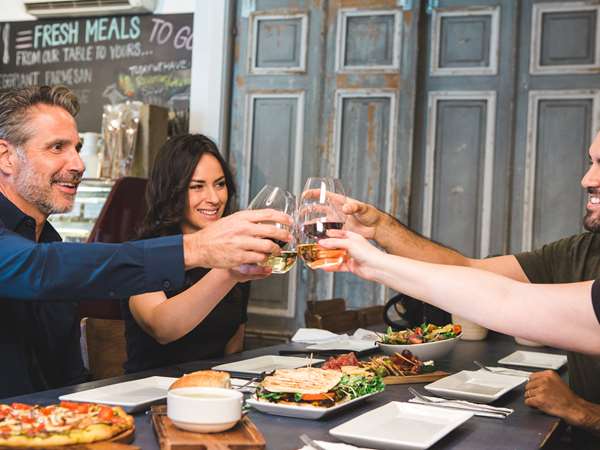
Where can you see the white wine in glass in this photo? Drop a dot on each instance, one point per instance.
(318, 212)
(273, 197)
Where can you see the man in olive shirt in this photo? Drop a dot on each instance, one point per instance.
(569, 260)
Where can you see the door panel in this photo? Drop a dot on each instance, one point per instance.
(459, 163)
(558, 114)
(462, 166)
(322, 88)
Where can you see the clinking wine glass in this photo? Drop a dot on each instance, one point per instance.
(319, 211)
(273, 197)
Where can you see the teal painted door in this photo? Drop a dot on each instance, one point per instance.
(322, 88)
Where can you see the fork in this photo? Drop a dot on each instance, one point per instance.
(308, 441)
(497, 372)
(483, 367)
(248, 383)
(443, 403)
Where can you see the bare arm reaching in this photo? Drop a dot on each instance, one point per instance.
(532, 311)
(398, 239)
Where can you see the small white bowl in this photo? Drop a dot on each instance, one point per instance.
(204, 409)
(425, 351)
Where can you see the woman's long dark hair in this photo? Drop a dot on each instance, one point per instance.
(169, 181)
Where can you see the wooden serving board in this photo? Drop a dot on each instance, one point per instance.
(244, 436)
(423, 378)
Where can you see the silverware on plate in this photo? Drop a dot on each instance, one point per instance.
(308, 441)
(497, 372)
(491, 410)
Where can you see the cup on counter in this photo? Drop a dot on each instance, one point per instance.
(204, 409)
(470, 330)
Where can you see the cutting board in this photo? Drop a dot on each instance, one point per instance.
(244, 436)
(423, 378)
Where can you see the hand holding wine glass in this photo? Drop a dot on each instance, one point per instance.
(319, 211)
(273, 197)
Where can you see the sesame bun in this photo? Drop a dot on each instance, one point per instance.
(203, 378)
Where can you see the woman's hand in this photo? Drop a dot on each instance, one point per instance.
(363, 258)
(249, 272)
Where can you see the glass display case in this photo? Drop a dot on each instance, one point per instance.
(76, 225)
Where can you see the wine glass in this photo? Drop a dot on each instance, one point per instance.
(319, 211)
(279, 199)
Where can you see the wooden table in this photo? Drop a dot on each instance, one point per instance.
(524, 429)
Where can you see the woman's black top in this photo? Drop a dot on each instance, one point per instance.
(596, 298)
(206, 340)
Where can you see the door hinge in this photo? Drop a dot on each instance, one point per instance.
(432, 5)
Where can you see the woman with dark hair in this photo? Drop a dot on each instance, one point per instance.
(190, 187)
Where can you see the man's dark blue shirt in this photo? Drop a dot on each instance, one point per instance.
(39, 282)
(39, 341)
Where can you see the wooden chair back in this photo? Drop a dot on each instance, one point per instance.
(118, 221)
(332, 315)
(105, 346)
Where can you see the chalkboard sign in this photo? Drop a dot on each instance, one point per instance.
(103, 59)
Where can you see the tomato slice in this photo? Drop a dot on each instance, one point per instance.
(26, 419)
(106, 414)
(77, 407)
(317, 397)
(22, 406)
(457, 329)
(47, 410)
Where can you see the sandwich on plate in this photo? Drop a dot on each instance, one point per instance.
(310, 386)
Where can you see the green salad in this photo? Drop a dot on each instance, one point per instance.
(427, 332)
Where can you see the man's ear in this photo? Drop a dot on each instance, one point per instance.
(8, 157)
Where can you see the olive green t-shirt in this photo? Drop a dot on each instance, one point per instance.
(576, 258)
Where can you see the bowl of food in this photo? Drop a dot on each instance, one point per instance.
(203, 402)
(427, 342)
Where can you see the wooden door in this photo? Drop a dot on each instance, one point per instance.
(557, 116)
(322, 88)
(466, 109)
(508, 108)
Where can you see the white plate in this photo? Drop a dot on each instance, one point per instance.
(262, 364)
(400, 425)
(478, 386)
(135, 395)
(351, 345)
(424, 351)
(507, 371)
(534, 359)
(301, 412)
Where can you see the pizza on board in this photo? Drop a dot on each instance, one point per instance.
(34, 426)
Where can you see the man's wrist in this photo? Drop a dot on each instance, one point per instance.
(583, 414)
(383, 227)
(192, 252)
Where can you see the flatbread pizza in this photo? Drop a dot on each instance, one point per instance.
(34, 426)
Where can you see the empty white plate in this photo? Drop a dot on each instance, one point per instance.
(133, 395)
(267, 363)
(350, 345)
(534, 359)
(478, 386)
(400, 426)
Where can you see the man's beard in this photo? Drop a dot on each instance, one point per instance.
(591, 221)
(37, 191)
